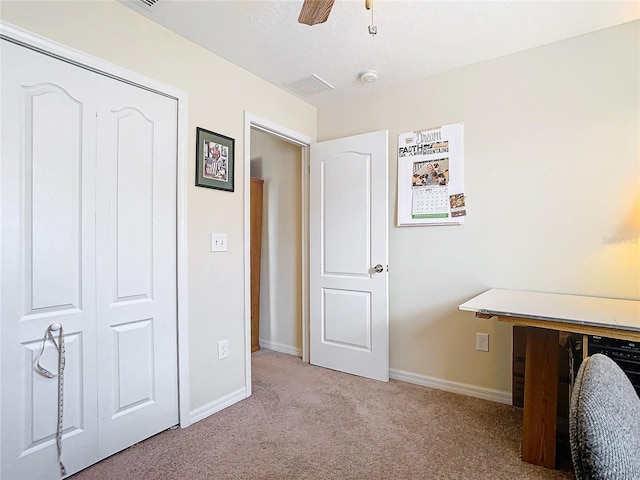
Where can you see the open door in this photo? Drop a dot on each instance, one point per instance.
(348, 255)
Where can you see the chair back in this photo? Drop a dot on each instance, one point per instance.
(604, 422)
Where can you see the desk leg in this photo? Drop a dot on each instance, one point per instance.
(540, 397)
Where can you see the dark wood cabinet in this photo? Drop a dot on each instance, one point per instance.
(256, 249)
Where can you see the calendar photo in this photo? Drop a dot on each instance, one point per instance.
(431, 173)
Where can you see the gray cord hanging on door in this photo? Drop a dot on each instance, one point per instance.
(48, 335)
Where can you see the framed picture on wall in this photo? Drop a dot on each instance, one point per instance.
(214, 160)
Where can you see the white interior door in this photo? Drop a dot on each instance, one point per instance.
(136, 266)
(88, 240)
(349, 313)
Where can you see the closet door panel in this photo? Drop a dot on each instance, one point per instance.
(136, 243)
(53, 131)
(47, 262)
(134, 217)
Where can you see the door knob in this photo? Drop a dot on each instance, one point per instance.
(378, 268)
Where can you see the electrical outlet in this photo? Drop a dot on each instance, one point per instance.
(482, 342)
(223, 349)
(218, 242)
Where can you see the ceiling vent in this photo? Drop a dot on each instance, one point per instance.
(309, 85)
(148, 5)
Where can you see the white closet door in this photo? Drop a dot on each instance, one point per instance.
(87, 240)
(136, 266)
(48, 251)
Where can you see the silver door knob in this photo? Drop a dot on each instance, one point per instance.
(378, 268)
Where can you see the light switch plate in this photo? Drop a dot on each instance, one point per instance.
(218, 242)
(223, 349)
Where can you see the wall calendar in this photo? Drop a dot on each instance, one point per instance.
(431, 176)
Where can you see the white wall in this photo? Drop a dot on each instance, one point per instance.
(552, 178)
(279, 163)
(219, 93)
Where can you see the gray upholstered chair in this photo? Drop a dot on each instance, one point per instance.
(604, 422)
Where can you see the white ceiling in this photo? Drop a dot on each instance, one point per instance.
(415, 38)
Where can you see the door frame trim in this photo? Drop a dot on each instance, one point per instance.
(84, 60)
(252, 121)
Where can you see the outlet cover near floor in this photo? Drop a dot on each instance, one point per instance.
(482, 342)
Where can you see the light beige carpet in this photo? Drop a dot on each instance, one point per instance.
(305, 422)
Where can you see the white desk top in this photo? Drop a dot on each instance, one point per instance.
(596, 311)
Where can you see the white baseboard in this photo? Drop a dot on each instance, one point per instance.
(278, 347)
(454, 387)
(217, 405)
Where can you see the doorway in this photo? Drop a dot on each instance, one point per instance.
(267, 131)
(277, 254)
(347, 193)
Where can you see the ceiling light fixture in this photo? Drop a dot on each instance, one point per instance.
(368, 76)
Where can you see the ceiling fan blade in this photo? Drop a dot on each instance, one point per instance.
(315, 11)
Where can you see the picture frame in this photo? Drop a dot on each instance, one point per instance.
(215, 160)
